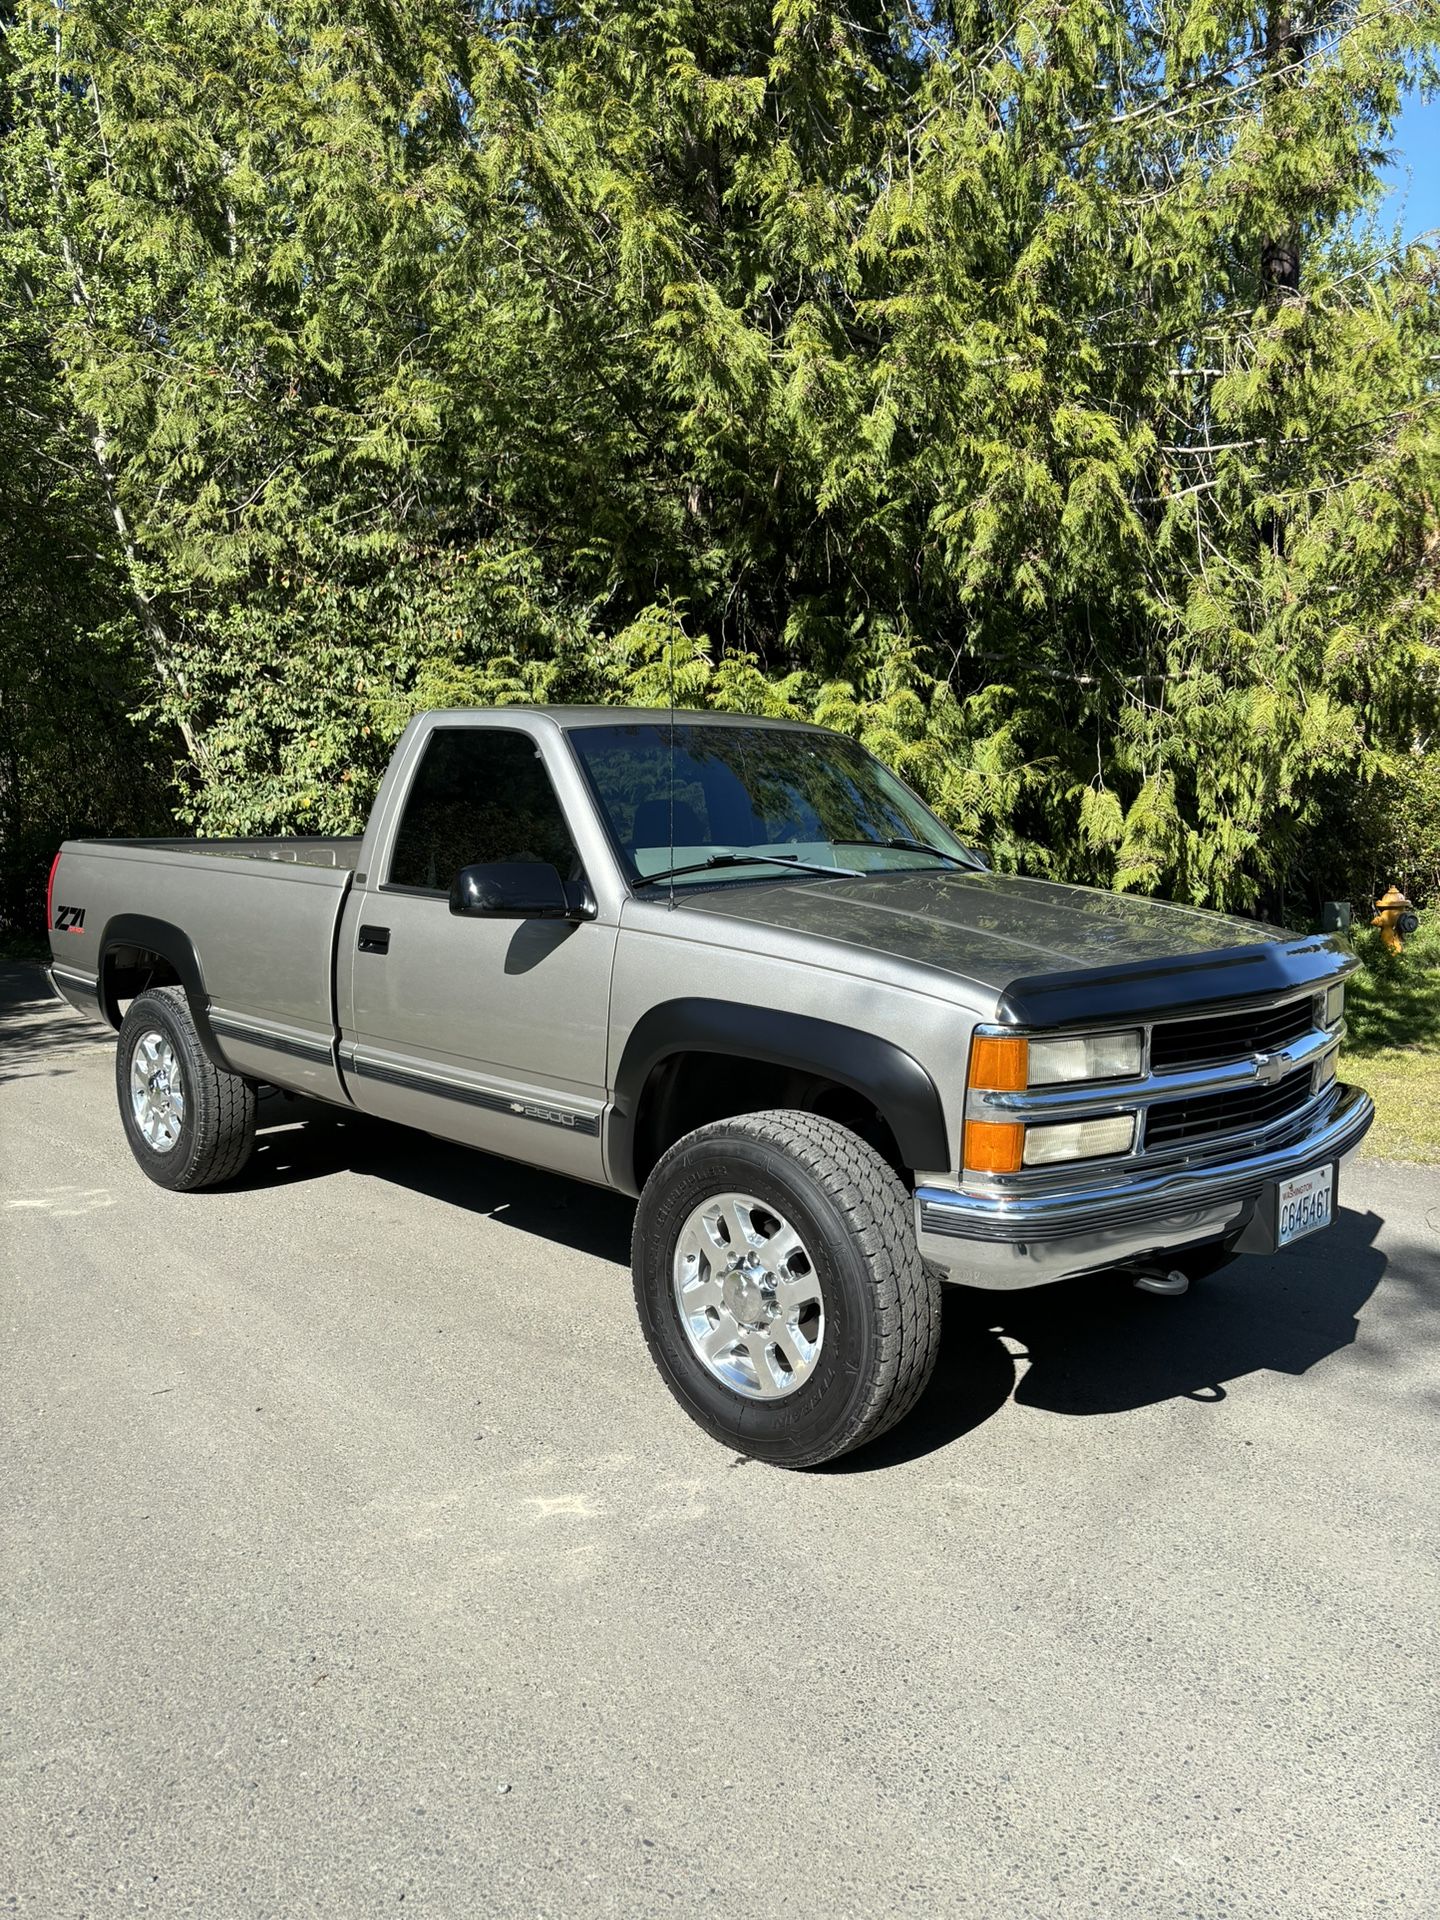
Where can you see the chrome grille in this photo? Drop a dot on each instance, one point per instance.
(1173, 1123)
(1228, 1036)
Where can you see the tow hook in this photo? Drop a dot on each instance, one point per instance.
(1169, 1281)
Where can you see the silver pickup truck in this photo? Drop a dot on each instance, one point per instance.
(735, 968)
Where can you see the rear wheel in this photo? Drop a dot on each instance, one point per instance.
(780, 1287)
(189, 1123)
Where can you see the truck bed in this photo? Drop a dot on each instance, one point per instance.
(258, 918)
(342, 851)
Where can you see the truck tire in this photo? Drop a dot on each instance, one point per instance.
(188, 1123)
(781, 1289)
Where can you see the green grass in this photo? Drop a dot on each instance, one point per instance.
(1392, 1009)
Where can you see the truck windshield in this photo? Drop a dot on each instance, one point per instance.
(788, 796)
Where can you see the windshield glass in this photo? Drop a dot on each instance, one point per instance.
(778, 793)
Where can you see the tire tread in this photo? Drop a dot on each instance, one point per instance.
(221, 1106)
(879, 1214)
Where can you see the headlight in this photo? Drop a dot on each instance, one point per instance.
(1079, 1140)
(1334, 1005)
(1012, 1063)
(1090, 1056)
(1008, 1063)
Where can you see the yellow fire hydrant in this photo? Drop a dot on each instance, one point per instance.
(1394, 918)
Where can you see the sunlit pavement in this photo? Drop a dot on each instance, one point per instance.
(355, 1556)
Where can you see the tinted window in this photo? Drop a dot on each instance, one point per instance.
(732, 788)
(480, 794)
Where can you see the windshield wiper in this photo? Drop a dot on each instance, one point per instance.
(751, 860)
(898, 845)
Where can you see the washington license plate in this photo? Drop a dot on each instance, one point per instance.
(1305, 1204)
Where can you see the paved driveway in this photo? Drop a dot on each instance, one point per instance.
(357, 1563)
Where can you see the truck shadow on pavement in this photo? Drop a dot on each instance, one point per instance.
(1096, 1345)
(301, 1139)
(39, 1035)
(1088, 1346)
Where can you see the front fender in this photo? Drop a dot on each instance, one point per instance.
(892, 1080)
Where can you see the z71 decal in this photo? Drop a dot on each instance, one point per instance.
(69, 919)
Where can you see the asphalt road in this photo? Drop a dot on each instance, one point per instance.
(356, 1563)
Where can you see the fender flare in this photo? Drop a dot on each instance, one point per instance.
(892, 1080)
(174, 945)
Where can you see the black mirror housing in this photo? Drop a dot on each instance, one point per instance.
(512, 890)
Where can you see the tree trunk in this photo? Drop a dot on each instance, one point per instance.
(156, 639)
(1280, 255)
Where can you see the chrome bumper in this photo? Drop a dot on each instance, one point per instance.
(1022, 1240)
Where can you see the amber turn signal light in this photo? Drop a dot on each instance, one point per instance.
(994, 1146)
(999, 1063)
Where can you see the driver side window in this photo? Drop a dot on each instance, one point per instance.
(479, 794)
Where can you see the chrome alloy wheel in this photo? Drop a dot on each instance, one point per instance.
(157, 1093)
(748, 1296)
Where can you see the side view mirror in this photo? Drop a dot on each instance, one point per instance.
(514, 890)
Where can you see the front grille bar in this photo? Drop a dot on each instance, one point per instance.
(1193, 1043)
(1171, 1123)
(1186, 1103)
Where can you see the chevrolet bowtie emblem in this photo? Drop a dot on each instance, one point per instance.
(1270, 1067)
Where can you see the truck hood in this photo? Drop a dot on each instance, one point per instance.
(1048, 952)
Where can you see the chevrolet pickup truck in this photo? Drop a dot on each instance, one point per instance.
(736, 969)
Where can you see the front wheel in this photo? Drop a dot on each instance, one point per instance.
(781, 1289)
(189, 1123)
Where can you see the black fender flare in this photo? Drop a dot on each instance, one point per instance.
(892, 1080)
(170, 943)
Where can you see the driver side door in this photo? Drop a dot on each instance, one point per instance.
(484, 1030)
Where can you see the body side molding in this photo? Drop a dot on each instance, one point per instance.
(470, 1093)
(227, 1027)
(891, 1079)
(77, 989)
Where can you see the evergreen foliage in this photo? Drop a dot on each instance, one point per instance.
(1025, 389)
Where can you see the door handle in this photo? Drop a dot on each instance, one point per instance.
(374, 939)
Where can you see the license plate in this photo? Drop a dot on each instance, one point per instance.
(1304, 1204)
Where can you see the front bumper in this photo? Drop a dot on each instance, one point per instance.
(1023, 1240)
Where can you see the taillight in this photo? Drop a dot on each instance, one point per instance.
(50, 895)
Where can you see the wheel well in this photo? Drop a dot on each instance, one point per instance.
(689, 1090)
(127, 971)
